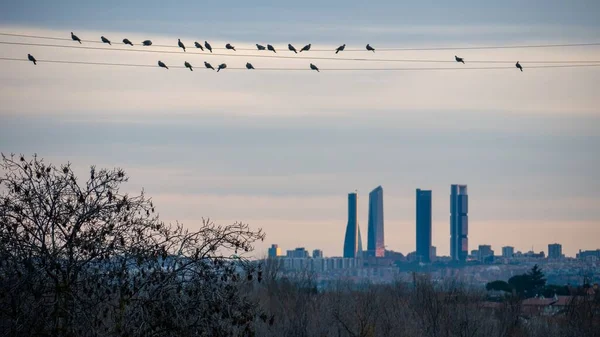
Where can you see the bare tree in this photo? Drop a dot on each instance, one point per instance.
(80, 258)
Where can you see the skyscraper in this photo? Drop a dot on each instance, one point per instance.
(554, 251)
(352, 240)
(423, 221)
(459, 223)
(375, 243)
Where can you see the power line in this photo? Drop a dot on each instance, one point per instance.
(560, 45)
(307, 69)
(286, 57)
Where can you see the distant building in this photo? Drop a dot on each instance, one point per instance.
(274, 251)
(459, 222)
(352, 239)
(508, 252)
(423, 222)
(555, 251)
(433, 253)
(297, 253)
(317, 253)
(485, 253)
(588, 254)
(375, 240)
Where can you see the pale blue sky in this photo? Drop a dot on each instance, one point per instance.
(281, 150)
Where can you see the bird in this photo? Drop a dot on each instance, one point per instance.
(305, 48)
(75, 38)
(314, 67)
(188, 65)
(126, 41)
(291, 48)
(105, 40)
(340, 48)
(207, 45)
(229, 46)
(260, 47)
(249, 66)
(459, 59)
(32, 59)
(180, 44)
(369, 48)
(221, 66)
(271, 48)
(518, 65)
(147, 43)
(162, 65)
(208, 66)
(198, 46)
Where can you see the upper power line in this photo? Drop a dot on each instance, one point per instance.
(333, 49)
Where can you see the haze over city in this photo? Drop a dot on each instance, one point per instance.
(281, 150)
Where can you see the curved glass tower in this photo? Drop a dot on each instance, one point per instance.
(352, 240)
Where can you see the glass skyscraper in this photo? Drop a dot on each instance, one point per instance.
(423, 222)
(459, 223)
(352, 240)
(375, 241)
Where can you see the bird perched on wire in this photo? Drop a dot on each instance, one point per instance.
(305, 48)
(459, 59)
(221, 66)
(314, 67)
(518, 65)
(249, 66)
(207, 45)
(369, 48)
(147, 43)
(162, 65)
(188, 65)
(340, 48)
(208, 66)
(229, 46)
(126, 41)
(291, 48)
(32, 59)
(271, 48)
(198, 46)
(260, 47)
(105, 40)
(75, 38)
(180, 44)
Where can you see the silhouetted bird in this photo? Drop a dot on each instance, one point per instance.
(126, 41)
(459, 59)
(32, 59)
(221, 66)
(369, 48)
(180, 44)
(188, 65)
(260, 47)
(249, 66)
(229, 46)
(147, 43)
(105, 40)
(340, 48)
(271, 48)
(162, 65)
(207, 45)
(75, 38)
(305, 48)
(518, 65)
(198, 46)
(291, 48)
(208, 66)
(314, 67)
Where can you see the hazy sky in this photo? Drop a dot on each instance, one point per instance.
(281, 150)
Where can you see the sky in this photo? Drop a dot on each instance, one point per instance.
(280, 150)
